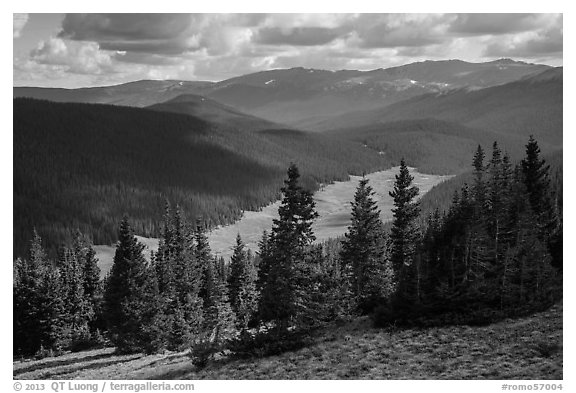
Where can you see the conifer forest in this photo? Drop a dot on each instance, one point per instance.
(288, 196)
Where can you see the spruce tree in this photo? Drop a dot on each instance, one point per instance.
(404, 233)
(479, 188)
(218, 317)
(364, 251)
(242, 285)
(204, 257)
(128, 293)
(495, 214)
(78, 309)
(537, 181)
(536, 178)
(283, 295)
(179, 277)
(38, 318)
(86, 256)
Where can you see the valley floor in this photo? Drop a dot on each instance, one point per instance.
(527, 348)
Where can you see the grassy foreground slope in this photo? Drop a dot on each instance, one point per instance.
(526, 348)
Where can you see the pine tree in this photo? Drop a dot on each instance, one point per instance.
(404, 234)
(364, 251)
(205, 260)
(128, 294)
(163, 258)
(537, 181)
(339, 301)
(218, 317)
(536, 178)
(242, 285)
(86, 256)
(283, 294)
(38, 302)
(179, 277)
(78, 309)
(479, 188)
(188, 284)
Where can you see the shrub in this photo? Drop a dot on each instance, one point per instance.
(546, 349)
(202, 352)
(262, 344)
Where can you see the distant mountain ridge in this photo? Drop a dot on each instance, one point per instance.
(293, 95)
(531, 105)
(137, 94)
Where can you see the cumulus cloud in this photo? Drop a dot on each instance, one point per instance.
(79, 58)
(116, 47)
(19, 21)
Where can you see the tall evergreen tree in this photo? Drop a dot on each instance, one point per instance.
(283, 295)
(128, 294)
(404, 233)
(92, 285)
(179, 277)
(205, 260)
(218, 317)
(479, 190)
(242, 285)
(537, 181)
(364, 251)
(38, 318)
(79, 310)
(536, 178)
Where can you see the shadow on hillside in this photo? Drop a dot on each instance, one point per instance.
(175, 374)
(60, 363)
(164, 360)
(187, 370)
(65, 371)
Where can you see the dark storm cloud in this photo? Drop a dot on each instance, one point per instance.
(104, 27)
(493, 24)
(150, 33)
(298, 36)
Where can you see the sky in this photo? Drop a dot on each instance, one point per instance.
(83, 50)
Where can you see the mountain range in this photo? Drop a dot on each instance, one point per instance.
(295, 95)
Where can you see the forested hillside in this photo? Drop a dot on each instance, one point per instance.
(84, 165)
(495, 253)
(433, 146)
(437, 133)
(441, 196)
(214, 112)
(139, 93)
